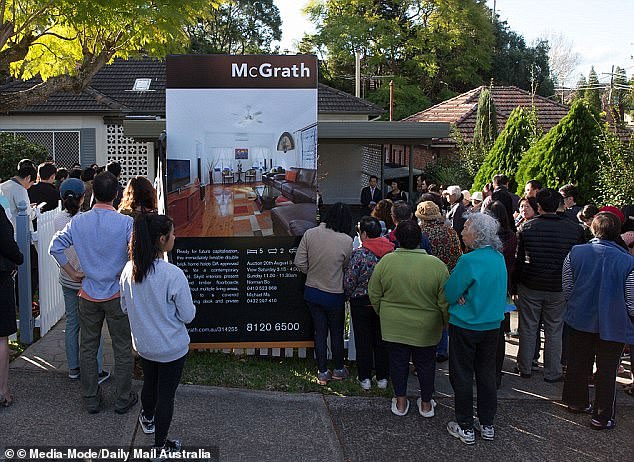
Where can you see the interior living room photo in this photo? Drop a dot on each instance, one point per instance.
(242, 162)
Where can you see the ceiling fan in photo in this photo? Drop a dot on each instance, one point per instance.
(248, 117)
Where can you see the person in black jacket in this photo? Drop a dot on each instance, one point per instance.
(44, 191)
(371, 195)
(542, 246)
(10, 257)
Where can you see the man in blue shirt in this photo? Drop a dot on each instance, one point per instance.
(100, 238)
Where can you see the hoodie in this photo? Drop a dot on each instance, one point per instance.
(361, 265)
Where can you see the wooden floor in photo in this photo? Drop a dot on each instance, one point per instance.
(229, 211)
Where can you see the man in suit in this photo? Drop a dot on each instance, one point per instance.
(370, 195)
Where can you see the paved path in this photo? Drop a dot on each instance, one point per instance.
(256, 425)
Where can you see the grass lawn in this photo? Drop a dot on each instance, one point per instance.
(294, 375)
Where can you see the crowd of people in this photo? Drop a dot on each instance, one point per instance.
(110, 245)
(440, 284)
(429, 277)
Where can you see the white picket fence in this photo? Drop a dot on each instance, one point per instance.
(51, 296)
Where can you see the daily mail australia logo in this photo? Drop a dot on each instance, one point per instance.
(268, 71)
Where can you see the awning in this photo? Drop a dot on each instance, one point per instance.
(379, 132)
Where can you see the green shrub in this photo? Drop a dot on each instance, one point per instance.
(615, 178)
(448, 171)
(568, 153)
(13, 149)
(507, 150)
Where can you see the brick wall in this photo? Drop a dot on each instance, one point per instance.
(371, 158)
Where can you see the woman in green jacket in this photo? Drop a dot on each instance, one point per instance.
(406, 290)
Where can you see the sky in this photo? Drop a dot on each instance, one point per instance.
(600, 30)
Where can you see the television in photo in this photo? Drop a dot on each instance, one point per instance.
(177, 174)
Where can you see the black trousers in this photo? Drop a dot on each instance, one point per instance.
(472, 351)
(368, 341)
(328, 319)
(500, 353)
(424, 359)
(582, 348)
(160, 381)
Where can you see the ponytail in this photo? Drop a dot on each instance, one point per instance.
(71, 203)
(144, 245)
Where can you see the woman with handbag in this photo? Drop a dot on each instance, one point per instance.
(10, 258)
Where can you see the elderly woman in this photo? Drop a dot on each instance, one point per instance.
(444, 245)
(476, 292)
(443, 238)
(367, 328)
(598, 285)
(322, 254)
(406, 290)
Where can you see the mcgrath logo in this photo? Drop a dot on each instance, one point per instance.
(267, 71)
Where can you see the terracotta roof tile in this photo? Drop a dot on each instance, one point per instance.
(462, 109)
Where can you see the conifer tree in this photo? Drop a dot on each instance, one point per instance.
(593, 92)
(507, 150)
(568, 153)
(580, 93)
(486, 130)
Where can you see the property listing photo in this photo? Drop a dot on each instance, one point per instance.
(242, 162)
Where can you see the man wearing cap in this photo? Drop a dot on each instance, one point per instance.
(99, 296)
(71, 191)
(476, 201)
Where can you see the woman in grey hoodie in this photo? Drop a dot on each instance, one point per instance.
(155, 294)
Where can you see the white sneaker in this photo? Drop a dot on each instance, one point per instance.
(487, 432)
(365, 384)
(395, 410)
(466, 436)
(382, 384)
(427, 414)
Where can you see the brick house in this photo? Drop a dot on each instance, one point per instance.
(461, 112)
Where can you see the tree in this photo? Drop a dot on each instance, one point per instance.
(619, 96)
(408, 99)
(66, 42)
(15, 148)
(582, 84)
(506, 153)
(592, 94)
(515, 63)
(486, 128)
(435, 43)
(562, 59)
(237, 27)
(568, 153)
(616, 170)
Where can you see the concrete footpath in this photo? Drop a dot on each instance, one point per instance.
(247, 425)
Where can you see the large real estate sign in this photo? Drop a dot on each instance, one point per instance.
(242, 189)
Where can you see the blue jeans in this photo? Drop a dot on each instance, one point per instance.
(71, 300)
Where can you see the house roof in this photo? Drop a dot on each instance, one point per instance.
(330, 100)
(110, 92)
(462, 110)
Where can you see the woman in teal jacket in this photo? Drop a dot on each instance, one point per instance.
(476, 292)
